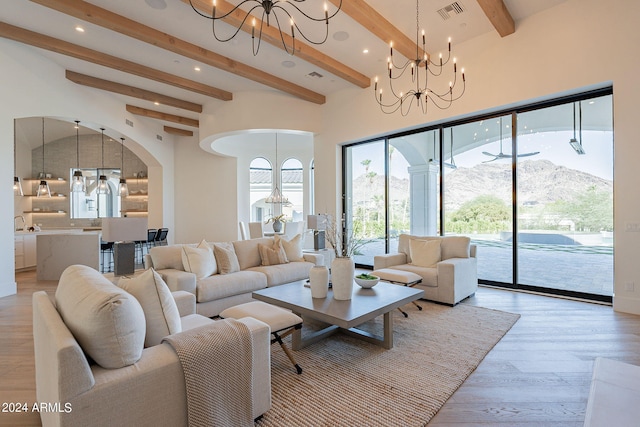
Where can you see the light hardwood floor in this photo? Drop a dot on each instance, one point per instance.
(538, 375)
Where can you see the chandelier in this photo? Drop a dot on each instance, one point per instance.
(276, 197)
(269, 11)
(422, 69)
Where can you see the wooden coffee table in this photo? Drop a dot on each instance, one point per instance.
(343, 316)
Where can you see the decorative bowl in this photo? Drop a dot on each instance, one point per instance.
(367, 281)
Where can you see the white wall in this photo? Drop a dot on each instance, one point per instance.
(579, 44)
(31, 85)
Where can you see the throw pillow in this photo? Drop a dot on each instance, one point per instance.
(424, 253)
(199, 260)
(160, 309)
(166, 257)
(456, 247)
(293, 247)
(272, 254)
(107, 322)
(226, 258)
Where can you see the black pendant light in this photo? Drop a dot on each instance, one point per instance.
(78, 184)
(123, 188)
(103, 186)
(43, 187)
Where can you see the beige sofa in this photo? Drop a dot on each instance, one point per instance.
(448, 276)
(101, 374)
(217, 291)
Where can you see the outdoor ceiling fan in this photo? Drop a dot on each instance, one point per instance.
(502, 155)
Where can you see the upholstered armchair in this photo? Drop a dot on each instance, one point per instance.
(447, 265)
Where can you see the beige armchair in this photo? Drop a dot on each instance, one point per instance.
(449, 274)
(149, 391)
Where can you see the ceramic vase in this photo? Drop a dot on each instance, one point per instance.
(277, 226)
(342, 273)
(319, 281)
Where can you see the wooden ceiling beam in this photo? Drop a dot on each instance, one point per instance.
(162, 116)
(271, 35)
(369, 18)
(499, 16)
(132, 91)
(112, 21)
(178, 131)
(64, 48)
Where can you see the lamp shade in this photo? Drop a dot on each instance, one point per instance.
(317, 222)
(124, 229)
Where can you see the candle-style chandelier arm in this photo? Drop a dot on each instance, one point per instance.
(269, 8)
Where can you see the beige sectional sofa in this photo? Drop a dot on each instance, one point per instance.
(447, 265)
(101, 352)
(218, 288)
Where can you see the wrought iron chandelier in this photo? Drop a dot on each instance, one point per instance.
(267, 10)
(422, 93)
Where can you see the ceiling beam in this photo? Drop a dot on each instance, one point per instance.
(112, 21)
(370, 19)
(132, 91)
(271, 35)
(499, 16)
(60, 46)
(162, 116)
(177, 131)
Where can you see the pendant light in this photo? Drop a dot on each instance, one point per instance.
(575, 144)
(43, 187)
(78, 184)
(17, 185)
(123, 188)
(103, 186)
(276, 197)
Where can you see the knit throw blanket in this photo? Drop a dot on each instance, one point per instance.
(217, 364)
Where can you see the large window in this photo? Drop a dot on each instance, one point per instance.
(532, 187)
(260, 185)
(90, 204)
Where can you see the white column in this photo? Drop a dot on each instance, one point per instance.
(423, 186)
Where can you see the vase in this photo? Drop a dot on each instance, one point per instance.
(342, 272)
(277, 226)
(319, 281)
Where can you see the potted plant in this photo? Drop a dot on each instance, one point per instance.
(277, 222)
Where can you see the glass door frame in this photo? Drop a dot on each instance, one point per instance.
(440, 127)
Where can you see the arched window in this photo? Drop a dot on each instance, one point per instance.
(292, 188)
(260, 183)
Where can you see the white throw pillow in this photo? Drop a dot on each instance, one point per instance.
(456, 247)
(424, 253)
(165, 257)
(199, 260)
(293, 247)
(160, 309)
(272, 254)
(107, 322)
(226, 258)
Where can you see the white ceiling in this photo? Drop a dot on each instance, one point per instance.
(180, 20)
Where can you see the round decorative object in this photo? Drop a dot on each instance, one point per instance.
(367, 283)
(319, 281)
(277, 226)
(342, 272)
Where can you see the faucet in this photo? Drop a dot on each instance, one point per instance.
(24, 222)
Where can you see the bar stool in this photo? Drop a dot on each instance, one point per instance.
(106, 256)
(161, 237)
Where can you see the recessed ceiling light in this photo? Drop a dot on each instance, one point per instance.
(156, 103)
(196, 68)
(288, 64)
(340, 36)
(79, 29)
(156, 4)
(365, 51)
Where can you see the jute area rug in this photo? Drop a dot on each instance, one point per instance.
(348, 382)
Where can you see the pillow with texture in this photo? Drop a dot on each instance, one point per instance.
(107, 321)
(199, 260)
(425, 253)
(226, 258)
(160, 309)
(272, 254)
(293, 247)
(166, 257)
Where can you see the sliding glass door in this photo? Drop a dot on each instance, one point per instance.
(532, 187)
